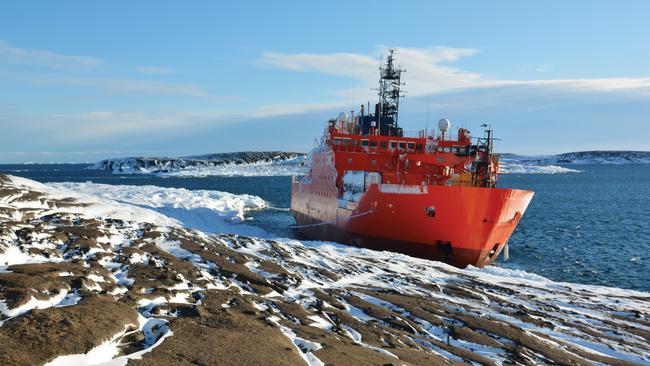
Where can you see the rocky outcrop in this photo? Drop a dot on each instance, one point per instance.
(74, 281)
(164, 164)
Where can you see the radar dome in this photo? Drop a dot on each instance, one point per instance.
(343, 117)
(444, 124)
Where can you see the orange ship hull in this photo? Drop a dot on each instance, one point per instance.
(429, 194)
(458, 225)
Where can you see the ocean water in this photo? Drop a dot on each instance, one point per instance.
(591, 227)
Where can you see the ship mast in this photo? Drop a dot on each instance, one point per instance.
(389, 94)
(483, 176)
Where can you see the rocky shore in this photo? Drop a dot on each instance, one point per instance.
(85, 280)
(149, 165)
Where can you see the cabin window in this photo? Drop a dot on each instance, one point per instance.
(418, 147)
(439, 148)
(411, 145)
(355, 142)
(393, 144)
(373, 143)
(383, 145)
(402, 145)
(447, 149)
(364, 142)
(346, 142)
(337, 142)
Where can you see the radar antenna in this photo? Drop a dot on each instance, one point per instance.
(390, 92)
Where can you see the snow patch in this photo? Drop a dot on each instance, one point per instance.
(209, 211)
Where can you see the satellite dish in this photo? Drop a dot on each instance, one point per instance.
(444, 124)
(343, 117)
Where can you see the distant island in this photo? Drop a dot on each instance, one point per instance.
(586, 157)
(278, 163)
(232, 163)
(566, 162)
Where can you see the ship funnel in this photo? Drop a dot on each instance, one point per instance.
(444, 124)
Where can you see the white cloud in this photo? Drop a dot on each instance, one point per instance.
(137, 86)
(23, 56)
(113, 85)
(11, 55)
(426, 68)
(154, 70)
(431, 71)
(57, 153)
(101, 125)
(339, 64)
(106, 124)
(282, 109)
(641, 84)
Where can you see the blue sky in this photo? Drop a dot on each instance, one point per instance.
(82, 81)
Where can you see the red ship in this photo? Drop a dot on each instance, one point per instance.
(428, 194)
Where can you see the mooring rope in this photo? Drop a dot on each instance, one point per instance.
(333, 222)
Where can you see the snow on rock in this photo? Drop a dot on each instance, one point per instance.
(210, 211)
(101, 354)
(248, 163)
(259, 169)
(276, 163)
(232, 299)
(548, 164)
(76, 202)
(603, 157)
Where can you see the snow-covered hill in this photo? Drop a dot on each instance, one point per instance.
(91, 274)
(562, 163)
(277, 163)
(583, 157)
(245, 163)
(604, 157)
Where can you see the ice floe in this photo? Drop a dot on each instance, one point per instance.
(521, 168)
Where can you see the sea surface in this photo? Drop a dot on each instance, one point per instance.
(591, 227)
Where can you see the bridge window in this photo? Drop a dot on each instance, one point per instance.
(402, 145)
(364, 142)
(393, 144)
(373, 143)
(411, 145)
(383, 144)
(337, 142)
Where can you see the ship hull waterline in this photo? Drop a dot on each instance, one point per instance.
(458, 225)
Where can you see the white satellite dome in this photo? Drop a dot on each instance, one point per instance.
(343, 117)
(444, 124)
